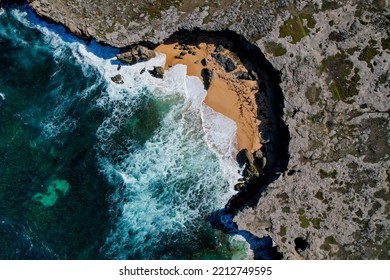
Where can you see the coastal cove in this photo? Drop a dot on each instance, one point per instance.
(98, 154)
(176, 100)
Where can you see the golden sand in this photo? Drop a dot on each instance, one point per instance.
(232, 97)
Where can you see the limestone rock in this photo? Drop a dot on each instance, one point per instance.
(136, 54)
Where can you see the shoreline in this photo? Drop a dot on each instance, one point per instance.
(232, 97)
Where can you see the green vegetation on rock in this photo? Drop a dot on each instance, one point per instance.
(316, 222)
(283, 230)
(324, 174)
(154, 8)
(296, 28)
(304, 221)
(275, 48)
(386, 43)
(351, 51)
(384, 77)
(368, 53)
(319, 195)
(313, 93)
(329, 5)
(339, 69)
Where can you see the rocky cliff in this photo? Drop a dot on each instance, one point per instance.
(333, 59)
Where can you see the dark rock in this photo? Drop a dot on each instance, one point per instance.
(157, 72)
(219, 48)
(226, 62)
(207, 76)
(239, 186)
(204, 62)
(136, 54)
(117, 79)
(178, 57)
(142, 71)
(242, 75)
(119, 67)
(252, 168)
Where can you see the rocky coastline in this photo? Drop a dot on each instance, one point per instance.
(323, 192)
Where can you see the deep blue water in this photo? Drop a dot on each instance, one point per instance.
(94, 170)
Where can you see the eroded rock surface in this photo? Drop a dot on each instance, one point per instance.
(136, 54)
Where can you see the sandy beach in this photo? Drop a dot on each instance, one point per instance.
(230, 96)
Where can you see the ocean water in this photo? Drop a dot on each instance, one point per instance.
(91, 169)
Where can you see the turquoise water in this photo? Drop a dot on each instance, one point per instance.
(95, 170)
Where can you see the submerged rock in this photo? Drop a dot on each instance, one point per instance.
(117, 79)
(51, 196)
(157, 72)
(136, 54)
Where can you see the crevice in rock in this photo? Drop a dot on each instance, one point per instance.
(300, 244)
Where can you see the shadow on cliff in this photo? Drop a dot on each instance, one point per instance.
(275, 134)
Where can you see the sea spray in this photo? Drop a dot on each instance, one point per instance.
(168, 158)
(171, 181)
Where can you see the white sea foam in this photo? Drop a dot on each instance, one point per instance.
(173, 181)
(167, 187)
(2, 96)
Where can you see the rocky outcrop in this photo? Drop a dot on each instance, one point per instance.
(333, 200)
(136, 54)
(226, 63)
(330, 197)
(117, 79)
(122, 23)
(252, 168)
(157, 72)
(243, 75)
(207, 76)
